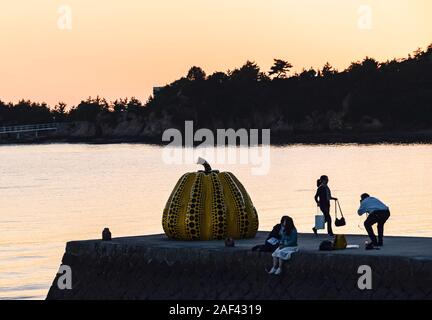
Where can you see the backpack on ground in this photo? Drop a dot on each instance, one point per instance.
(326, 245)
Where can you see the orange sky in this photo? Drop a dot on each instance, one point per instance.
(124, 48)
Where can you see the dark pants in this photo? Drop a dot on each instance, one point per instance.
(267, 247)
(326, 211)
(379, 217)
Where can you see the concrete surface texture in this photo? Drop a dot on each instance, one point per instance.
(154, 267)
(409, 247)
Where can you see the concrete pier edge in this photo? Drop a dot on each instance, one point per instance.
(156, 268)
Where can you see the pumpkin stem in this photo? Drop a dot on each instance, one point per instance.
(206, 165)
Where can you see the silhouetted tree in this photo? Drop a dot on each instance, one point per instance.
(60, 111)
(120, 105)
(308, 74)
(196, 74)
(328, 70)
(395, 94)
(134, 105)
(248, 72)
(370, 65)
(218, 77)
(280, 68)
(89, 109)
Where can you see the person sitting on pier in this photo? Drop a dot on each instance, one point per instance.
(378, 213)
(287, 245)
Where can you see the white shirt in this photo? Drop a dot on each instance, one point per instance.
(370, 205)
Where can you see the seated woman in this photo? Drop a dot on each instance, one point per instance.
(287, 245)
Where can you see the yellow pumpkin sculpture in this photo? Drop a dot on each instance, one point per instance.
(209, 205)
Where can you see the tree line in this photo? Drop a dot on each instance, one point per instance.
(368, 95)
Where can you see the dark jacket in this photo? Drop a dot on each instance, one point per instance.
(275, 233)
(268, 247)
(323, 196)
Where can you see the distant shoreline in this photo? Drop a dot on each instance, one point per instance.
(370, 138)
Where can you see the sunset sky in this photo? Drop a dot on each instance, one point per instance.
(123, 48)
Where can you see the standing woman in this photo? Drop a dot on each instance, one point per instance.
(322, 198)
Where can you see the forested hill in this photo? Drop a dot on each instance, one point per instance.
(369, 96)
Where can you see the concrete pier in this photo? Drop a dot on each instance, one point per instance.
(154, 267)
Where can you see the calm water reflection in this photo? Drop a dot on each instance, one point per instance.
(50, 194)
